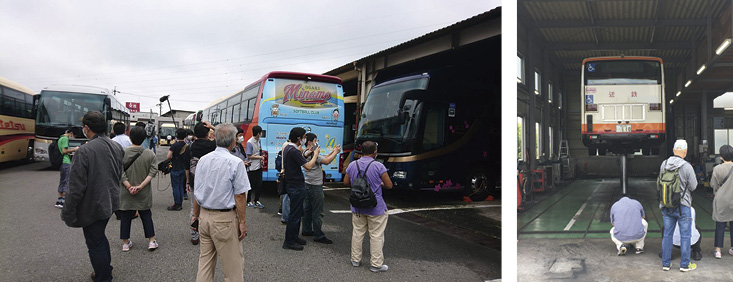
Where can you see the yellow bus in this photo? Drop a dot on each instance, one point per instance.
(17, 124)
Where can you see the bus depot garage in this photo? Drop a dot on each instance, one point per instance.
(604, 88)
(432, 104)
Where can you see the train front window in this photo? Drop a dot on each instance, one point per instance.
(65, 108)
(623, 72)
(381, 114)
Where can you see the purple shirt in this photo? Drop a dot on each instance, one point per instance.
(374, 177)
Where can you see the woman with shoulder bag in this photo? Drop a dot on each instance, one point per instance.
(723, 202)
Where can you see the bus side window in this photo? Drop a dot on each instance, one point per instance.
(434, 135)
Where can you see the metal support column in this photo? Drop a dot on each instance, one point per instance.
(704, 120)
(624, 176)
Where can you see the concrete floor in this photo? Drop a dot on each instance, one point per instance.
(564, 235)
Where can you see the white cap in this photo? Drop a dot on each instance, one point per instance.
(680, 145)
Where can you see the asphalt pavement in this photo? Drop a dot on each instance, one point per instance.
(458, 242)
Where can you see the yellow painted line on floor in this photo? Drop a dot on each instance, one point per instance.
(399, 211)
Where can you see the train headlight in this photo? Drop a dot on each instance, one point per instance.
(655, 106)
(400, 174)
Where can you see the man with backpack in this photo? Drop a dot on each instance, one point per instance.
(200, 147)
(675, 184)
(369, 211)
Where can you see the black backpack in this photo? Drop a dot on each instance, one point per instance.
(362, 196)
(54, 155)
(279, 161)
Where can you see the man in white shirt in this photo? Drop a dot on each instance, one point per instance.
(120, 137)
(219, 208)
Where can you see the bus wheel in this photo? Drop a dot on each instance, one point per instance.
(655, 151)
(29, 157)
(592, 151)
(601, 151)
(479, 185)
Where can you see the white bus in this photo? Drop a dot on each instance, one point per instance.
(624, 109)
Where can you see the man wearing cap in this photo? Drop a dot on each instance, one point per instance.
(681, 215)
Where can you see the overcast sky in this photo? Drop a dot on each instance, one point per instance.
(198, 51)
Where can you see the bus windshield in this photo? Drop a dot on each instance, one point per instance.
(165, 131)
(623, 72)
(381, 114)
(66, 108)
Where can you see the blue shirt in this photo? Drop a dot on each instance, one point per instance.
(626, 217)
(374, 177)
(220, 176)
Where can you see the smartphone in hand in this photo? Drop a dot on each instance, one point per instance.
(195, 224)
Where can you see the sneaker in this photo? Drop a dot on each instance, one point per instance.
(259, 205)
(280, 213)
(152, 246)
(639, 251)
(185, 197)
(194, 241)
(355, 263)
(622, 250)
(665, 268)
(324, 240)
(730, 251)
(59, 204)
(174, 208)
(250, 205)
(126, 247)
(382, 268)
(718, 255)
(690, 267)
(696, 255)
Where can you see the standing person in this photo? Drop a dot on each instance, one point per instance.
(682, 214)
(219, 207)
(240, 153)
(313, 210)
(200, 147)
(120, 137)
(135, 193)
(695, 238)
(295, 184)
(180, 156)
(189, 137)
(154, 144)
(374, 219)
(254, 172)
(148, 131)
(723, 201)
(63, 144)
(94, 192)
(629, 225)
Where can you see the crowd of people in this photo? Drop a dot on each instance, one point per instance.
(628, 218)
(222, 177)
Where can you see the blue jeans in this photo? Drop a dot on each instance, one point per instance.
(64, 178)
(720, 234)
(98, 247)
(313, 211)
(296, 193)
(178, 183)
(286, 208)
(672, 217)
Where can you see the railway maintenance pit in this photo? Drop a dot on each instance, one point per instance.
(604, 89)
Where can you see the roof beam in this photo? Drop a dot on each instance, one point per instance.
(592, 21)
(619, 23)
(659, 45)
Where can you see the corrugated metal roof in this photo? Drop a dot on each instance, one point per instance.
(624, 10)
(488, 15)
(573, 10)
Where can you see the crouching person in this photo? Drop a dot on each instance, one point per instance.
(629, 225)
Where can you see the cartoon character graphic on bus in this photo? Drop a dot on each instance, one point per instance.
(275, 110)
(335, 114)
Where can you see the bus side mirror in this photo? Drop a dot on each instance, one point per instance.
(411, 95)
(199, 116)
(34, 109)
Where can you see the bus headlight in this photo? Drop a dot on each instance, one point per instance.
(400, 174)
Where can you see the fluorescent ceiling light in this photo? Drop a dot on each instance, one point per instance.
(722, 46)
(679, 93)
(671, 101)
(688, 83)
(701, 69)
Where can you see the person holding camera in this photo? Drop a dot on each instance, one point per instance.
(314, 177)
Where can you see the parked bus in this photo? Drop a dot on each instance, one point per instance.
(438, 130)
(16, 122)
(60, 107)
(166, 133)
(190, 121)
(279, 101)
(624, 105)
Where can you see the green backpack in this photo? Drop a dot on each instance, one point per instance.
(669, 192)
